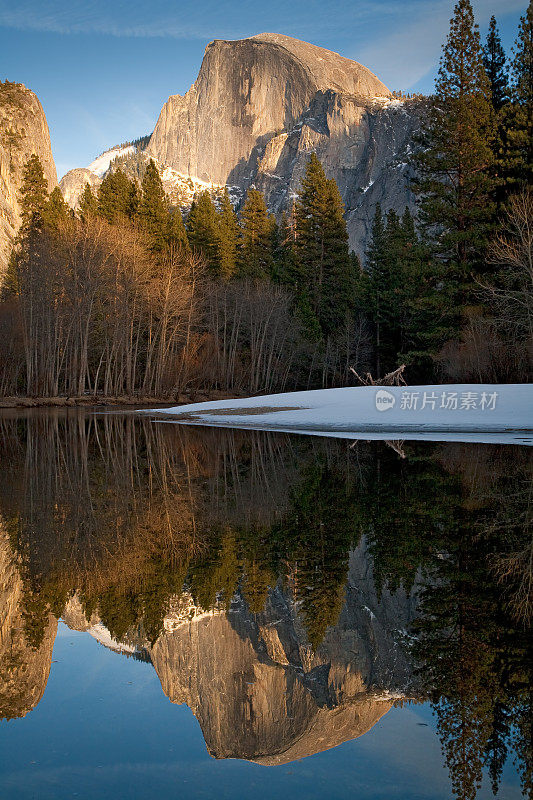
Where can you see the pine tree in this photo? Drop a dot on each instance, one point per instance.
(338, 292)
(496, 751)
(117, 197)
(33, 194)
(392, 277)
(255, 585)
(517, 150)
(256, 258)
(286, 269)
(456, 158)
(494, 61)
(33, 198)
(228, 237)
(153, 208)
(176, 235)
(407, 298)
(56, 210)
(375, 261)
(386, 267)
(203, 230)
(88, 203)
(427, 305)
(327, 280)
(522, 64)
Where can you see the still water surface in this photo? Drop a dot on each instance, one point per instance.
(189, 612)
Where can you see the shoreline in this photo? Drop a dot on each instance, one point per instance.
(88, 401)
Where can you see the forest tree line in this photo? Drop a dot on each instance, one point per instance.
(129, 297)
(125, 297)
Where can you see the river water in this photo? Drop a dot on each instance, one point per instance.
(208, 613)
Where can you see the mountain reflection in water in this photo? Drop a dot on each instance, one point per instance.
(289, 590)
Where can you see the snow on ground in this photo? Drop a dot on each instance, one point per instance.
(101, 164)
(452, 412)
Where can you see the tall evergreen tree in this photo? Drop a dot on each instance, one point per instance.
(494, 61)
(203, 230)
(455, 161)
(33, 197)
(338, 293)
(517, 157)
(286, 271)
(176, 235)
(375, 261)
(33, 193)
(427, 304)
(228, 237)
(56, 210)
(315, 536)
(256, 252)
(88, 202)
(327, 280)
(407, 297)
(153, 208)
(117, 197)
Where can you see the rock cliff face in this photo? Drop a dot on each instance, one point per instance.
(258, 690)
(73, 183)
(23, 132)
(259, 107)
(23, 671)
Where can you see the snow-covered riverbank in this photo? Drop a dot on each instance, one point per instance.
(456, 412)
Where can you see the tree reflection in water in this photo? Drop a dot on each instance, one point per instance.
(144, 526)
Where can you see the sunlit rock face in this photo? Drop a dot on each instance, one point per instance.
(73, 183)
(23, 133)
(24, 671)
(260, 105)
(259, 691)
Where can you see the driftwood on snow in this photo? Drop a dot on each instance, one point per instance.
(394, 378)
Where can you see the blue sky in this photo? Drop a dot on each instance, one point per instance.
(103, 68)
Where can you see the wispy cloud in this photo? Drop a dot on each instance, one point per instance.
(404, 56)
(400, 41)
(201, 19)
(119, 18)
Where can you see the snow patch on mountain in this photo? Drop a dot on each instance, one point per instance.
(101, 164)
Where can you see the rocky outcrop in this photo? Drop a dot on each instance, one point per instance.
(23, 132)
(258, 108)
(181, 189)
(24, 671)
(73, 183)
(258, 690)
(245, 93)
